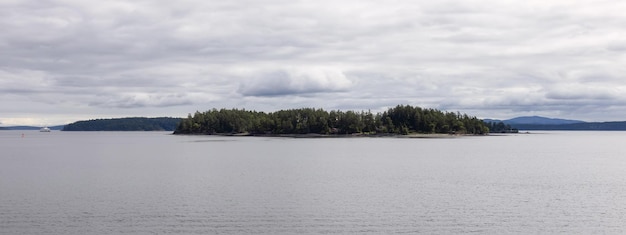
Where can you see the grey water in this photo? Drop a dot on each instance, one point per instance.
(157, 183)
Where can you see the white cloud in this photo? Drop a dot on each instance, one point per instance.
(296, 81)
(140, 100)
(584, 92)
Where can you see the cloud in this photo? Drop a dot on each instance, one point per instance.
(583, 92)
(141, 100)
(295, 82)
(490, 58)
(617, 46)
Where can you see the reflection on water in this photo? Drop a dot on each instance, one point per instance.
(153, 183)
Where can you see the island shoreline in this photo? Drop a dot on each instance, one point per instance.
(324, 136)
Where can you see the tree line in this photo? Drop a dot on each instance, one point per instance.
(402, 119)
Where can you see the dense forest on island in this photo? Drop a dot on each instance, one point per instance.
(125, 124)
(402, 119)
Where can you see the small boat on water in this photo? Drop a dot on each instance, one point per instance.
(44, 129)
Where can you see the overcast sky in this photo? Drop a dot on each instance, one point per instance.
(67, 60)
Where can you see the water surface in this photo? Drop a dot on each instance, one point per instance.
(156, 183)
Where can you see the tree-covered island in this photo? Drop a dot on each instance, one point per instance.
(399, 120)
(125, 124)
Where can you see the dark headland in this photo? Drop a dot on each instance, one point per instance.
(125, 124)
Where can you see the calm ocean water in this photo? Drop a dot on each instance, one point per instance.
(156, 183)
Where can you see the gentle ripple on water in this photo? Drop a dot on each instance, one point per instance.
(153, 183)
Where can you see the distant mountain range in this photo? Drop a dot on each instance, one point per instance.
(535, 120)
(544, 123)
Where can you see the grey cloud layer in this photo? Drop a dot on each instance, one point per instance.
(491, 58)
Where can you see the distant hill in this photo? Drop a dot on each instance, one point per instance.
(540, 121)
(544, 123)
(584, 126)
(125, 124)
(30, 128)
(535, 120)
